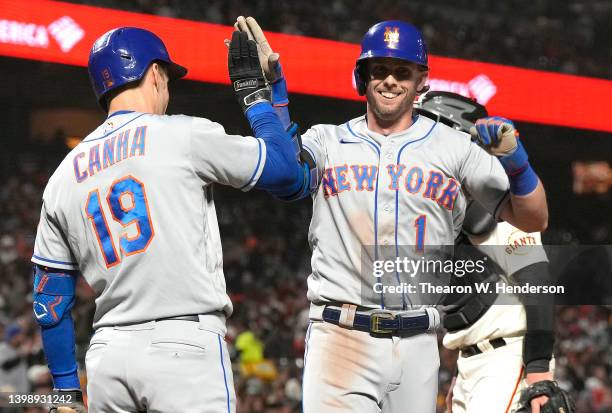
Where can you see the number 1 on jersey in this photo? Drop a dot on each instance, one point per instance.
(135, 212)
(420, 224)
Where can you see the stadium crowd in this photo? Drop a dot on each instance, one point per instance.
(266, 261)
(564, 36)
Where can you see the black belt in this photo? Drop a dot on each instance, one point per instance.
(383, 323)
(472, 350)
(191, 317)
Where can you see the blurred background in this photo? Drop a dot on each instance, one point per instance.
(49, 107)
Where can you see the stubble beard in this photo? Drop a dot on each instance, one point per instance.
(389, 113)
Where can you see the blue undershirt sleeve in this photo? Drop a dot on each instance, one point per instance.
(282, 175)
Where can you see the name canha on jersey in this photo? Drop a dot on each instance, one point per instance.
(131, 208)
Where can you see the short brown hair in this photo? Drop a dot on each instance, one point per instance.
(113, 93)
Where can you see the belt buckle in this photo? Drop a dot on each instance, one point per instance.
(375, 321)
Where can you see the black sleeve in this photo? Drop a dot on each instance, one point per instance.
(539, 338)
(11, 363)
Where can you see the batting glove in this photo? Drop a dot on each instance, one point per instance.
(268, 59)
(499, 137)
(76, 404)
(245, 72)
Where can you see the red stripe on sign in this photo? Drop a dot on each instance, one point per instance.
(63, 33)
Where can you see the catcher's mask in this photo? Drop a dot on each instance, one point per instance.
(454, 110)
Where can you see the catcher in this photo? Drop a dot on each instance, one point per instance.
(505, 354)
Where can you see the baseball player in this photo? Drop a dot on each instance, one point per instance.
(386, 179)
(503, 348)
(131, 209)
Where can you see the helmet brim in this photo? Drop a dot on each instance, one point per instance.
(175, 71)
(392, 54)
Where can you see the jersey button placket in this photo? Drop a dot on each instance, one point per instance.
(386, 196)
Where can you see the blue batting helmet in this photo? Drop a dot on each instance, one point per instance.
(122, 56)
(391, 38)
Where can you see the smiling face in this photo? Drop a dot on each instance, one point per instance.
(391, 90)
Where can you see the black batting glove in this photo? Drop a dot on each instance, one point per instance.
(245, 72)
(70, 401)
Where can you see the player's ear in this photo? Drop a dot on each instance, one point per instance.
(422, 80)
(156, 75)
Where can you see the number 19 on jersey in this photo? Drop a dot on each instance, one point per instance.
(127, 201)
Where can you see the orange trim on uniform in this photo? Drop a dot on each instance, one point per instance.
(136, 220)
(520, 377)
(133, 201)
(43, 282)
(146, 202)
(53, 304)
(92, 218)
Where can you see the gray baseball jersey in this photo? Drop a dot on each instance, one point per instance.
(408, 188)
(131, 207)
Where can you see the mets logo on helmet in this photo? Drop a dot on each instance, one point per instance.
(108, 78)
(392, 36)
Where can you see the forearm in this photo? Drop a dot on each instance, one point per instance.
(539, 339)
(282, 174)
(59, 346)
(280, 103)
(527, 212)
(53, 298)
(265, 106)
(539, 336)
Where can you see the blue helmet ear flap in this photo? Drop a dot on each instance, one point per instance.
(360, 81)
